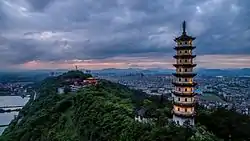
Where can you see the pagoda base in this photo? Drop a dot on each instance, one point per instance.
(181, 120)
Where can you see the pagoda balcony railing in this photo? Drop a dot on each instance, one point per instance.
(184, 56)
(183, 94)
(184, 103)
(183, 83)
(183, 114)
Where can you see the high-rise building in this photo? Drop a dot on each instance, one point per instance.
(183, 93)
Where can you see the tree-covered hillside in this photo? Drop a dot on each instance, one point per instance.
(102, 113)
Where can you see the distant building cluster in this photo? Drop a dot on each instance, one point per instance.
(15, 88)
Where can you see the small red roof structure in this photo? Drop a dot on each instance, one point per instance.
(91, 81)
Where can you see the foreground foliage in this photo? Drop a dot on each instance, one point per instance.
(226, 124)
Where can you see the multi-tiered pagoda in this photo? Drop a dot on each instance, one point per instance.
(183, 93)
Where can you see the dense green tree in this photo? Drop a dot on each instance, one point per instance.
(226, 124)
(67, 89)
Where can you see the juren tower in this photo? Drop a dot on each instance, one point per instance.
(183, 92)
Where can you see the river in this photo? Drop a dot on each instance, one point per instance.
(5, 118)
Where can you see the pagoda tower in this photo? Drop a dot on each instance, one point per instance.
(183, 93)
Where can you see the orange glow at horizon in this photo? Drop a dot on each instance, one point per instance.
(206, 61)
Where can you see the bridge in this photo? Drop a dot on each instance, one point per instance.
(4, 125)
(11, 107)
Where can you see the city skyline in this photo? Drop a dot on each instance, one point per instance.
(121, 33)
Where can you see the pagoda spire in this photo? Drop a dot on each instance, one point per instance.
(184, 36)
(184, 27)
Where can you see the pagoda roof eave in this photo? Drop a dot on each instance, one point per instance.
(184, 38)
(184, 65)
(183, 94)
(184, 74)
(184, 104)
(184, 47)
(184, 84)
(184, 115)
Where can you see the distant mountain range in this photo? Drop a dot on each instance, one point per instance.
(133, 71)
(159, 71)
(224, 72)
(203, 72)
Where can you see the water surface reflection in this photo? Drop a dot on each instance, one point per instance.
(5, 118)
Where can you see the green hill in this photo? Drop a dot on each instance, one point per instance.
(101, 113)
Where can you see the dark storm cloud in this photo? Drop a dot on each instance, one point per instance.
(57, 30)
(39, 5)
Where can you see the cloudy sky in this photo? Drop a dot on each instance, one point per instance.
(98, 34)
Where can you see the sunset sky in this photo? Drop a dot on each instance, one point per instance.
(95, 34)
